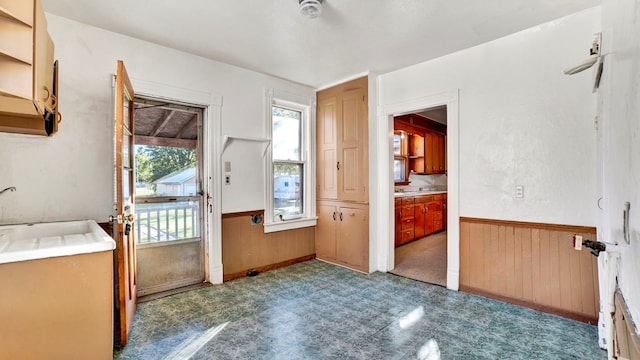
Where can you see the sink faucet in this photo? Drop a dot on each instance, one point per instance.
(10, 188)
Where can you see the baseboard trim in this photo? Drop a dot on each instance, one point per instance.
(556, 227)
(261, 269)
(545, 308)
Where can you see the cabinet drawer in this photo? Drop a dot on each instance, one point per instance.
(407, 200)
(437, 225)
(437, 197)
(423, 199)
(407, 211)
(407, 223)
(407, 235)
(437, 216)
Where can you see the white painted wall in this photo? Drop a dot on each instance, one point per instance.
(620, 125)
(70, 175)
(522, 121)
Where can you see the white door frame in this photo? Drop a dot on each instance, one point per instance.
(211, 143)
(386, 260)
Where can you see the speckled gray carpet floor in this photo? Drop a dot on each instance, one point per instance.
(424, 259)
(315, 310)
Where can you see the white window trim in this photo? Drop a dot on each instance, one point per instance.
(308, 108)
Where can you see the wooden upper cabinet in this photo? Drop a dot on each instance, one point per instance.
(28, 77)
(342, 142)
(426, 148)
(327, 148)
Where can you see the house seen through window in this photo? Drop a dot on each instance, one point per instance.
(288, 163)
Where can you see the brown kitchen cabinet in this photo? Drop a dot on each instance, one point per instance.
(342, 234)
(28, 77)
(416, 153)
(419, 216)
(435, 162)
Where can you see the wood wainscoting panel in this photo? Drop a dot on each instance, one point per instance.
(626, 340)
(530, 264)
(246, 247)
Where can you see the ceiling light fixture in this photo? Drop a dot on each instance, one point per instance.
(310, 8)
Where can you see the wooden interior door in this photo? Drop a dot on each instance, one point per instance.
(125, 264)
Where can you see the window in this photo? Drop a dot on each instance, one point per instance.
(290, 180)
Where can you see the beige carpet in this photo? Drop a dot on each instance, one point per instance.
(424, 259)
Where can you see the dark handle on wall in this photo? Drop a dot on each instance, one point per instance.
(340, 216)
(334, 216)
(338, 165)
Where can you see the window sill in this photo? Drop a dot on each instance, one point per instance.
(289, 224)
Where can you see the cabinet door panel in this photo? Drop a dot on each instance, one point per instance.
(327, 149)
(419, 220)
(428, 153)
(398, 226)
(352, 176)
(353, 242)
(326, 232)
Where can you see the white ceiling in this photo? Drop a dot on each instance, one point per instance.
(350, 38)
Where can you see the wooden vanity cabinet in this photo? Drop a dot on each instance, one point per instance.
(28, 76)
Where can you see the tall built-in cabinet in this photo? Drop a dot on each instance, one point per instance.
(342, 232)
(28, 75)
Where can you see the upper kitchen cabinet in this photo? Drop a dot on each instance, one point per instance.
(28, 75)
(426, 145)
(342, 142)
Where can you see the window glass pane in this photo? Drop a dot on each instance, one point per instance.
(398, 169)
(286, 133)
(165, 171)
(167, 221)
(287, 190)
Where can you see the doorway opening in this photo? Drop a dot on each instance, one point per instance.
(420, 195)
(169, 227)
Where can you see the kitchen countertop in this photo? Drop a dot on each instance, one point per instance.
(418, 192)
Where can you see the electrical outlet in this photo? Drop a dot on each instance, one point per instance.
(519, 192)
(227, 179)
(577, 242)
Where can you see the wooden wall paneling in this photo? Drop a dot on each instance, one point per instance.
(587, 284)
(531, 264)
(554, 268)
(546, 276)
(486, 272)
(510, 263)
(495, 267)
(564, 252)
(464, 253)
(536, 280)
(527, 285)
(502, 250)
(517, 258)
(476, 255)
(575, 280)
(246, 247)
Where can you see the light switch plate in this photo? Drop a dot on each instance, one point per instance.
(227, 166)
